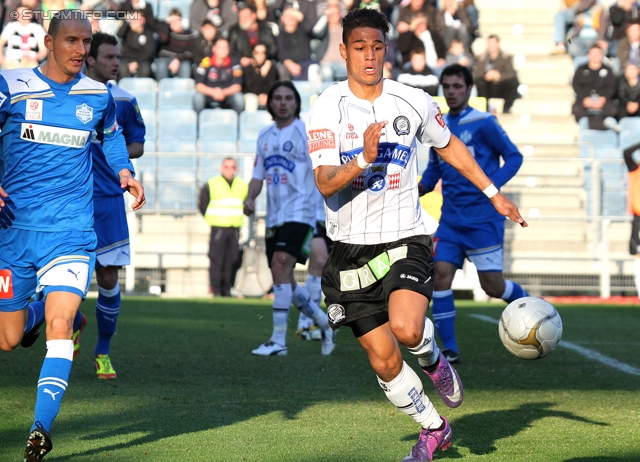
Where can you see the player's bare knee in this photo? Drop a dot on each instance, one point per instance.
(386, 368)
(408, 333)
(59, 327)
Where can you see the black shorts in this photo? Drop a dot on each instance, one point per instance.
(634, 241)
(320, 231)
(293, 238)
(358, 279)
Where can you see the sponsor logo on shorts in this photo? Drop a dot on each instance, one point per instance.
(336, 313)
(321, 139)
(408, 276)
(373, 271)
(6, 284)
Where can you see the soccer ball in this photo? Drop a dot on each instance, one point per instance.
(530, 328)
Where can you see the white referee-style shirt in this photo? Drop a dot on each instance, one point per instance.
(382, 204)
(282, 160)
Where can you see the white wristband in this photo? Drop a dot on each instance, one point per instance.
(361, 162)
(490, 191)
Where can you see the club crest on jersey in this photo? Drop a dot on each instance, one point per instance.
(33, 109)
(84, 113)
(466, 136)
(401, 125)
(287, 146)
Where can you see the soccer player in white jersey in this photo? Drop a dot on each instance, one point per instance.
(379, 277)
(47, 116)
(283, 162)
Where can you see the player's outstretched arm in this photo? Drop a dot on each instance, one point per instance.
(331, 179)
(458, 156)
(135, 188)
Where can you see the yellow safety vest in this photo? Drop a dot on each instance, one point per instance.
(226, 203)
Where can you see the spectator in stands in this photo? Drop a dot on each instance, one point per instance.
(7, 6)
(173, 57)
(24, 41)
(563, 20)
(142, 7)
(244, 35)
(258, 77)
(621, 13)
(50, 6)
(589, 27)
(306, 7)
(222, 13)
(266, 12)
(595, 86)
(294, 51)
(219, 80)
(414, 8)
(221, 203)
(418, 74)
(495, 75)
(328, 32)
(138, 48)
(201, 46)
(419, 35)
(452, 22)
(629, 92)
(458, 55)
(629, 46)
(470, 7)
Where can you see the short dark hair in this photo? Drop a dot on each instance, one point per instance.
(246, 6)
(494, 36)
(100, 38)
(274, 87)
(58, 18)
(457, 69)
(207, 22)
(365, 17)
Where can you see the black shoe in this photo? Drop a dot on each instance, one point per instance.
(30, 337)
(451, 356)
(38, 445)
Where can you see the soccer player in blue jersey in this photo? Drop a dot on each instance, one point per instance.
(47, 116)
(470, 227)
(110, 222)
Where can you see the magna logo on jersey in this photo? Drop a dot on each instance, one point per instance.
(321, 139)
(33, 109)
(6, 284)
(54, 135)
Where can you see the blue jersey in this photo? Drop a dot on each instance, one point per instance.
(105, 182)
(46, 132)
(487, 141)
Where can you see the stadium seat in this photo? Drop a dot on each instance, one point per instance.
(628, 138)
(145, 89)
(177, 197)
(250, 124)
(308, 91)
(629, 123)
(176, 93)
(607, 153)
(218, 130)
(177, 130)
(591, 139)
(149, 117)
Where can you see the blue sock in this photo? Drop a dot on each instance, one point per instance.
(77, 321)
(444, 318)
(513, 291)
(107, 309)
(54, 377)
(35, 315)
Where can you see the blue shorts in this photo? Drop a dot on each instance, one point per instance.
(110, 224)
(481, 244)
(43, 262)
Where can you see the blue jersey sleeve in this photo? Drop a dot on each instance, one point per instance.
(114, 147)
(432, 173)
(130, 119)
(495, 136)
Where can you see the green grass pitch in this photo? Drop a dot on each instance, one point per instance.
(188, 389)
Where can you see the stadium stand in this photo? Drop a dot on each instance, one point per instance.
(176, 93)
(218, 130)
(145, 89)
(250, 125)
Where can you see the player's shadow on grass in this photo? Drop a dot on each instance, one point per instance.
(479, 432)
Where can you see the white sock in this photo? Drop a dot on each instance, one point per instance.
(304, 321)
(636, 274)
(407, 394)
(508, 288)
(427, 351)
(303, 302)
(314, 287)
(281, 304)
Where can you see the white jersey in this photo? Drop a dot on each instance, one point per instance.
(382, 204)
(283, 161)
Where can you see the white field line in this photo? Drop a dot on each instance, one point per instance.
(591, 354)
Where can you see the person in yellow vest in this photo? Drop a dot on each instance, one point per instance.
(634, 209)
(221, 203)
